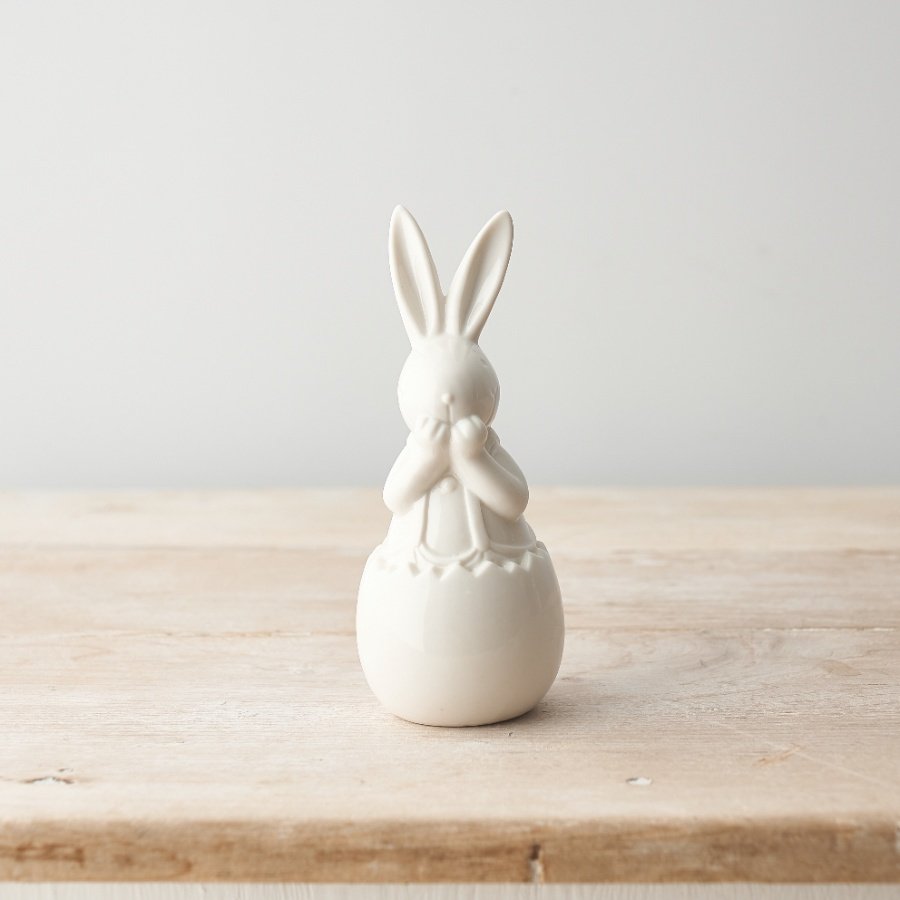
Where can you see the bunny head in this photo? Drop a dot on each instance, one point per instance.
(447, 376)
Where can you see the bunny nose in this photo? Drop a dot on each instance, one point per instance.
(446, 399)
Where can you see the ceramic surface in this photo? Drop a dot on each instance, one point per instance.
(459, 617)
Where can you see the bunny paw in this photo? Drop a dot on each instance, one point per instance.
(469, 435)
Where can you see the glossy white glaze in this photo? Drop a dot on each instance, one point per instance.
(459, 619)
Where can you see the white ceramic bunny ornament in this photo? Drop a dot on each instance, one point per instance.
(459, 619)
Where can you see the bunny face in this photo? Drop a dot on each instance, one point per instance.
(449, 378)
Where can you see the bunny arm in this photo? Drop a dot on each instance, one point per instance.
(496, 480)
(415, 471)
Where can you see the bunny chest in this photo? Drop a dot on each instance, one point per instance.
(452, 524)
(449, 524)
(444, 526)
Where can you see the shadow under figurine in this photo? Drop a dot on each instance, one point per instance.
(459, 619)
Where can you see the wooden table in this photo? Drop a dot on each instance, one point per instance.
(180, 697)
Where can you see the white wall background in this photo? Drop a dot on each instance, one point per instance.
(194, 200)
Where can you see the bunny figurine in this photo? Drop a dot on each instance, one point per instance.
(459, 618)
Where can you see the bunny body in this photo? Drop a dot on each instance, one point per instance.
(450, 524)
(459, 619)
(456, 494)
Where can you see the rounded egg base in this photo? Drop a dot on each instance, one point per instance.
(456, 645)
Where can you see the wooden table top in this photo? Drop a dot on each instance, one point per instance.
(180, 696)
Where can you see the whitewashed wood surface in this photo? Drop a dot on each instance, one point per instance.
(149, 891)
(180, 698)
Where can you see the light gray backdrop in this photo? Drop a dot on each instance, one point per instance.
(194, 200)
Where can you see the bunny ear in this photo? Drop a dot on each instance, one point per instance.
(479, 277)
(416, 284)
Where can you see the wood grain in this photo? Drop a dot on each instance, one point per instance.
(294, 891)
(180, 697)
